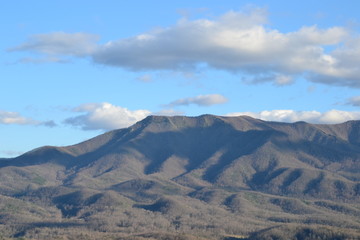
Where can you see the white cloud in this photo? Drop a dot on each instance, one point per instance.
(9, 118)
(15, 118)
(329, 117)
(105, 116)
(201, 100)
(236, 42)
(58, 44)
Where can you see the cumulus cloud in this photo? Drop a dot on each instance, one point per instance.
(201, 100)
(239, 42)
(105, 116)
(329, 117)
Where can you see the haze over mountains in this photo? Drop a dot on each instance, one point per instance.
(205, 176)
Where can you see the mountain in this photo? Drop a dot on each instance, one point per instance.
(181, 177)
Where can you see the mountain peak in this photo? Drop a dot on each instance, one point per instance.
(156, 123)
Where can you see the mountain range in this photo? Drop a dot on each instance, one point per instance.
(205, 177)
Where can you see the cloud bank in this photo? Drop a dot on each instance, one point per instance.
(238, 42)
(329, 117)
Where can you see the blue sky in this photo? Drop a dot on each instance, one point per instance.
(70, 70)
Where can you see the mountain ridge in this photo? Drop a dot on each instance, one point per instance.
(193, 171)
(316, 146)
(156, 119)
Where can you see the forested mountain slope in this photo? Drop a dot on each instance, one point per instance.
(206, 176)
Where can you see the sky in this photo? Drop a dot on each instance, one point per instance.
(71, 70)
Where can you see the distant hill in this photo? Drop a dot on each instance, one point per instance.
(190, 177)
